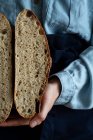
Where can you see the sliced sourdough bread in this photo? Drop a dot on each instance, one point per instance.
(6, 90)
(32, 63)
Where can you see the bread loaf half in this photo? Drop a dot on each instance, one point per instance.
(6, 94)
(32, 63)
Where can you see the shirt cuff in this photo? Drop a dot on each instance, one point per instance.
(68, 87)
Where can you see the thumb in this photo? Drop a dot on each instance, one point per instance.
(45, 106)
(47, 100)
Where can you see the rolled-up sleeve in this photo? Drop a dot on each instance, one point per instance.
(77, 82)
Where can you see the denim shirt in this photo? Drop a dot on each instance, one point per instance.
(65, 16)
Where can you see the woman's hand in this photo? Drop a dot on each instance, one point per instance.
(50, 95)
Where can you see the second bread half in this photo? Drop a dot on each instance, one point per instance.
(32, 63)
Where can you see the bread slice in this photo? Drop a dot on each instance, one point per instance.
(32, 63)
(6, 90)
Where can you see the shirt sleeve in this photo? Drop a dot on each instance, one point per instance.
(77, 82)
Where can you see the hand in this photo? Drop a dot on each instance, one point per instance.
(50, 95)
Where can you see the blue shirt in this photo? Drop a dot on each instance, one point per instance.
(68, 16)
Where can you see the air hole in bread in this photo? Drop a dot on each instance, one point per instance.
(40, 92)
(37, 105)
(20, 82)
(45, 51)
(25, 21)
(2, 118)
(36, 54)
(36, 76)
(3, 99)
(17, 94)
(19, 32)
(17, 107)
(22, 107)
(3, 84)
(37, 72)
(29, 111)
(2, 38)
(47, 55)
(41, 31)
(4, 31)
(29, 13)
(37, 23)
(37, 42)
(26, 32)
(24, 99)
(34, 35)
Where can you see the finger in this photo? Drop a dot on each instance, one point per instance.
(44, 109)
(46, 104)
(37, 120)
(17, 122)
(47, 101)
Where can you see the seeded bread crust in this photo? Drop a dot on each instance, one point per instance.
(6, 89)
(32, 63)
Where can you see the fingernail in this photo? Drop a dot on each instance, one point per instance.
(33, 124)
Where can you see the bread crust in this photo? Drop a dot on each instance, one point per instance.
(6, 89)
(32, 63)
